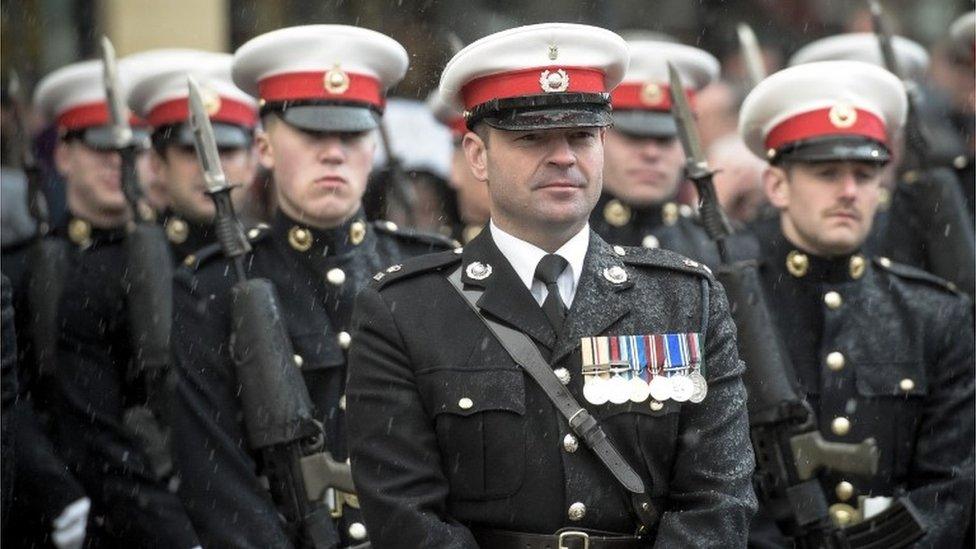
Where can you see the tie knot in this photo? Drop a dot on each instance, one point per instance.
(550, 267)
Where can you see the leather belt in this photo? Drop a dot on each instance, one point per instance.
(564, 539)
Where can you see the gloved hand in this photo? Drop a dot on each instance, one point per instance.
(70, 525)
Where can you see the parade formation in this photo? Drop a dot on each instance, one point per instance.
(553, 322)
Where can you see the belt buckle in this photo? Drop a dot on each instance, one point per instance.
(573, 534)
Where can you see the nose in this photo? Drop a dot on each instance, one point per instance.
(331, 150)
(562, 154)
(848, 186)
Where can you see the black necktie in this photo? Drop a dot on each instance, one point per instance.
(548, 270)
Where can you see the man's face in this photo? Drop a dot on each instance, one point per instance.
(472, 194)
(539, 178)
(642, 171)
(826, 208)
(319, 178)
(181, 176)
(93, 177)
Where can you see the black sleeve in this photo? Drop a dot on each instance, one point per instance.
(219, 485)
(395, 456)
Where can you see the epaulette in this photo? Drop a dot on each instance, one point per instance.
(422, 237)
(212, 251)
(415, 266)
(665, 259)
(914, 273)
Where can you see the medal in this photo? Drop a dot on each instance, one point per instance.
(681, 388)
(595, 390)
(660, 388)
(701, 387)
(618, 389)
(639, 391)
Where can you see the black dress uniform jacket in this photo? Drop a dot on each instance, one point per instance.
(448, 433)
(220, 486)
(131, 506)
(667, 226)
(883, 350)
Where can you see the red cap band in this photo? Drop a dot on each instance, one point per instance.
(90, 115)
(227, 110)
(837, 120)
(649, 96)
(533, 81)
(333, 84)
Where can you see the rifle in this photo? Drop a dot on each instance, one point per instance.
(400, 185)
(47, 257)
(147, 282)
(929, 190)
(277, 408)
(789, 447)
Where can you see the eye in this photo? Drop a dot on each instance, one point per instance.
(528, 138)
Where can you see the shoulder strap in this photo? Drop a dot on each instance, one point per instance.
(527, 355)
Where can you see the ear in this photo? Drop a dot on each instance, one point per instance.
(476, 153)
(262, 142)
(776, 183)
(62, 158)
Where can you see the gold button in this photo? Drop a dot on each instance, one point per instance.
(797, 263)
(299, 360)
(577, 511)
(616, 213)
(835, 361)
(842, 514)
(656, 405)
(856, 266)
(906, 385)
(570, 444)
(840, 426)
(335, 277)
(844, 490)
(300, 239)
(833, 300)
(189, 260)
(357, 232)
(669, 213)
(357, 531)
(465, 403)
(344, 339)
(650, 241)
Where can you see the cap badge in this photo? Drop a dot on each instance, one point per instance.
(553, 52)
(336, 81)
(842, 116)
(211, 101)
(651, 94)
(615, 274)
(552, 82)
(478, 270)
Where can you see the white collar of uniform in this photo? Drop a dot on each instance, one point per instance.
(524, 258)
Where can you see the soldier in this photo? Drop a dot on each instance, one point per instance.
(926, 224)
(880, 349)
(160, 96)
(93, 390)
(452, 443)
(321, 91)
(644, 158)
(472, 195)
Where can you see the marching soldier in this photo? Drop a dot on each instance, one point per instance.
(644, 158)
(453, 443)
(159, 95)
(472, 195)
(321, 91)
(881, 350)
(133, 508)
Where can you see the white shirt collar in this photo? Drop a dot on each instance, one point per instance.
(524, 258)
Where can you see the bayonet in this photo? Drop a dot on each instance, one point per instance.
(751, 53)
(884, 39)
(121, 131)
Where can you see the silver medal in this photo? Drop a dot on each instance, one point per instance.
(660, 388)
(594, 390)
(701, 387)
(681, 388)
(639, 391)
(618, 389)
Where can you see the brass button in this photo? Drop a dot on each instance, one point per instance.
(844, 490)
(650, 241)
(357, 232)
(177, 230)
(669, 213)
(570, 444)
(885, 262)
(465, 403)
(797, 263)
(577, 511)
(835, 361)
(335, 276)
(857, 265)
(656, 405)
(842, 514)
(833, 300)
(299, 360)
(300, 239)
(342, 402)
(563, 375)
(344, 339)
(840, 426)
(357, 531)
(79, 231)
(906, 385)
(616, 213)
